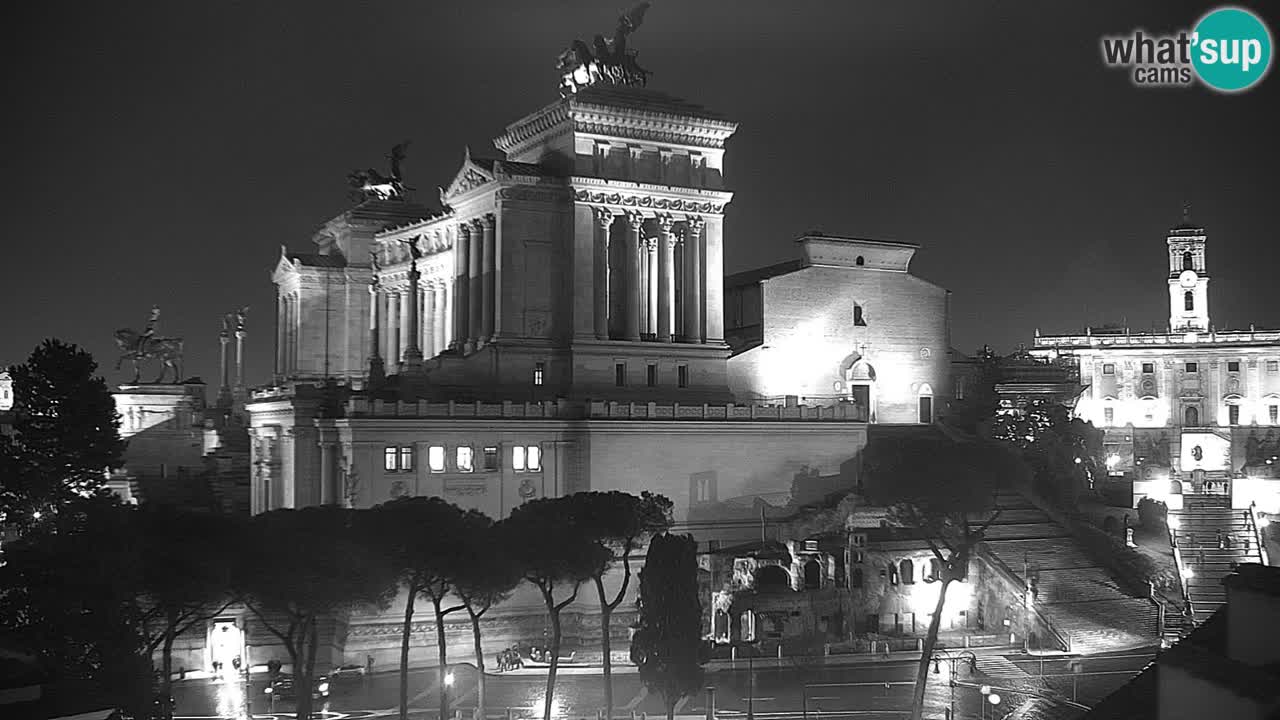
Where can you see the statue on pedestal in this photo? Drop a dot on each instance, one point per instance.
(139, 346)
(369, 184)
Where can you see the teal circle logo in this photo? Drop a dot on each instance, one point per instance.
(1231, 49)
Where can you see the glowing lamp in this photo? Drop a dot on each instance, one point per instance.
(1188, 573)
(985, 689)
(1078, 461)
(269, 690)
(323, 687)
(1263, 521)
(994, 699)
(1174, 523)
(448, 678)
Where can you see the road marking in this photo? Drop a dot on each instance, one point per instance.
(826, 697)
(639, 698)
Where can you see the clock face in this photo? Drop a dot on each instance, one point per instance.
(1187, 278)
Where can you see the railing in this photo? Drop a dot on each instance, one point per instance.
(654, 411)
(1063, 639)
(1182, 579)
(1257, 532)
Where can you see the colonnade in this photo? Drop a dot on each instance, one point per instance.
(390, 316)
(649, 286)
(288, 325)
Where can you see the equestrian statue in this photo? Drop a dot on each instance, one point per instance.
(139, 346)
(369, 184)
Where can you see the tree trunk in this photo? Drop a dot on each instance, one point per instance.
(605, 612)
(922, 672)
(302, 671)
(406, 634)
(166, 669)
(475, 636)
(555, 654)
(444, 659)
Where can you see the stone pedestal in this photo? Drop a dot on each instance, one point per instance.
(164, 425)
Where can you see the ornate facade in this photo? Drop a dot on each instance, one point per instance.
(1191, 405)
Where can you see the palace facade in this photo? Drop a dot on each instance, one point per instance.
(1188, 406)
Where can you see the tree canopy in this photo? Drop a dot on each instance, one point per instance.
(667, 645)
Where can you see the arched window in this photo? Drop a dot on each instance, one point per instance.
(1188, 300)
(858, 320)
(1188, 261)
(855, 578)
(908, 571)
(772, 578)
(1191, 416)
(812, 575)
(859, 262)
(935, 570)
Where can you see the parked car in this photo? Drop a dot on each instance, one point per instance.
(283, 688)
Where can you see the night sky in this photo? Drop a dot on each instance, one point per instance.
(161, 152)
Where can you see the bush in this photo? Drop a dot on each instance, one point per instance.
(1133, 569)
(1152, 514)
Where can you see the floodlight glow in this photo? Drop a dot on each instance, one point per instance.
(1174, 523)
(1187, 572)
(323, 687)
(985, 689)
(994, 699)
(1112, 461)
(448, 678)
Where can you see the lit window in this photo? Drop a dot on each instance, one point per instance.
(1273, 414)
(1109, 416)
(435, 458)
(406, 458)
(859, 539)
(1273, 366)
(491, 458)
(651, 375)
(1233, 366)
(517, 458)
(465, 458)
(960, 387)
(1233, 414)
(533, 458)
(1193, 367)
(858, 319)
(811, 546)
(1148, 368)
(620, 374)
(538, 369)
(389, 456)
(682, 376)
(860, 261)
(1188, 301)
(1109, 369)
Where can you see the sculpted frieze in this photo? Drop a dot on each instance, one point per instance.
(649, 202)
(532, 194)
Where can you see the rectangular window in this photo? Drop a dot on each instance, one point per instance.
(1108, 416)
(464, 458)
(389, 459)
(926, 409)
(960, 388)
(1192, 367)
(651, 375)
(533, 458)
(406, 459)
(1109, 369)
(1233, 414)
(517, 458)
(1233, 366)
(858, 539)
(1273, 366)
(538, 370)
(682, 376)
(491, 459)
(620, 374)
(1273, 414)
(435, 458)
(1148, 368)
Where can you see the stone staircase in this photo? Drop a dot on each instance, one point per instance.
(1211, 538)
(1077, 594)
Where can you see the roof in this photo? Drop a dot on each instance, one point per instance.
(750, 277)
(509, 167)
(643, 99)
(393, 211)
(315, 260)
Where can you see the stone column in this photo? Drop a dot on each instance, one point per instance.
(412, 360)
(377, 370)
(406, 317)
(651, 282)
(713, 280)
(666, 277)
(328, 468)
(393, 326)
(475, 305)
(291, 340)
(281, 324)
(600, 287)
(426, 312)
(631, 269)
(239, 386)
(446, 324)
(693, 279)
(488, 274)
(461, 285)
(224, 371)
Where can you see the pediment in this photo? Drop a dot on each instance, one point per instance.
(284, 266)
(469, 177)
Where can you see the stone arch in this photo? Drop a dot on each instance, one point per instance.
(1188, 261)
(860, 261)
(860, 382)
(772, 578)
(1175, 487)
(1191, 416)
(812, 575)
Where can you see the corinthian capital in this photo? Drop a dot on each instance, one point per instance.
(694, 224)
(487, 221)
(604, 217)
(636, 219)
(668, 224)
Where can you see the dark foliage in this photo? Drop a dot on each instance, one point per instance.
(668, 646)
(1153, 515)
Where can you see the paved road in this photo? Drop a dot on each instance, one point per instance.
(877, 691)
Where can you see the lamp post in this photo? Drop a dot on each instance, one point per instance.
(952, 659)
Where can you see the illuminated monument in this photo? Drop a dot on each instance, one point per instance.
(1185, 407)
(559, 325)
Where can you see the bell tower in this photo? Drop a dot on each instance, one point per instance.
(1188, 278)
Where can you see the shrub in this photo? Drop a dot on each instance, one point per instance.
(1152, 514)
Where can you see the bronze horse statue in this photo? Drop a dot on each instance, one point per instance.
(168, 350)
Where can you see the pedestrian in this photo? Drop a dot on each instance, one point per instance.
(1218, 537)
(235, 663)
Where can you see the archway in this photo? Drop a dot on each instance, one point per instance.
(907, 571)
(1191, 416)
(772, 578)
(1175, 487)
(812, 575)
(860, 380)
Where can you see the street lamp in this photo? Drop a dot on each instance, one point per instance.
(952, 659)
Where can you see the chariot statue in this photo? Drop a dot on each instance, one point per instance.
(605, 60)
(369, 184)
(145, 345)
